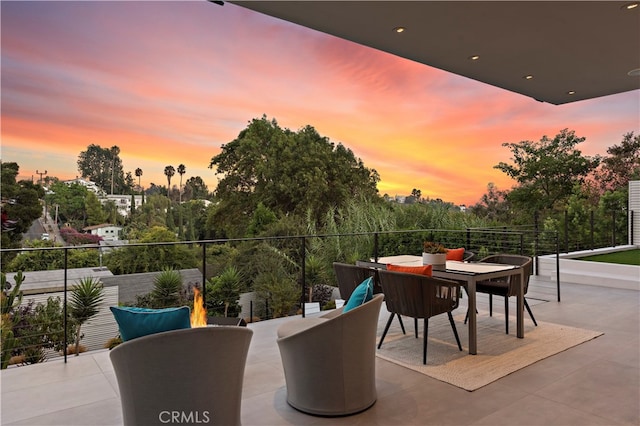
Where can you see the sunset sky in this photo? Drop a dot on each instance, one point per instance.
(170, 82)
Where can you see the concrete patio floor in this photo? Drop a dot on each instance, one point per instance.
(595, 383)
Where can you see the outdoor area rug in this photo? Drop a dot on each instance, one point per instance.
(498, 355)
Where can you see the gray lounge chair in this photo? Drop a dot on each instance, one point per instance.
(329, 361)
(195, 374)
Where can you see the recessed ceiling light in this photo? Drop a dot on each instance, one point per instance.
(631, 5)
(571, 92)
(399, 29)
(634, 73)
(528, 77)
(474, 57)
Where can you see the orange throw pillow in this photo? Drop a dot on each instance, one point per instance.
(455, 254)
(421, 270)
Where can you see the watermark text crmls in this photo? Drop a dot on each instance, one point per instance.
(182, 417)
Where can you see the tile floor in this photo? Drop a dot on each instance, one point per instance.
(596, 383)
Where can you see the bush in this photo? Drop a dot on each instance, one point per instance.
(72, 237)
(168, 290)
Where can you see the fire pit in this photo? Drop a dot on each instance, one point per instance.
(199, 316)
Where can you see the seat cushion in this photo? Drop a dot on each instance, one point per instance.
(420, 270)
(363, 293)
(137, 322)
(455, 254)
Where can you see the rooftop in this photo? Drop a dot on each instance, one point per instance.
(594, 383)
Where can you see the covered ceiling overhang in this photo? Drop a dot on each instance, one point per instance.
(552, 51)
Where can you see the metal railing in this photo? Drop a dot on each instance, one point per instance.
(297, 249)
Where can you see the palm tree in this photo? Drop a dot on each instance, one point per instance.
(86, 297)
(181, 170)
(169, 171)
(138, 175)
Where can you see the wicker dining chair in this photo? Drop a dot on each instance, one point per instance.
(350, 276)
(506, 287)
(419, 296)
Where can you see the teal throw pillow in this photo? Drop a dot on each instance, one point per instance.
(362, 294)
(137, 322)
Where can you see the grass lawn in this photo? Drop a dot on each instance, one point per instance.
(627, 257)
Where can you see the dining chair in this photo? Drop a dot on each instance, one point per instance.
(350, 276)
(419, 296)
(506, 287)
(468, 256)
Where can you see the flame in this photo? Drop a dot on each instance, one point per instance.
(199, 313)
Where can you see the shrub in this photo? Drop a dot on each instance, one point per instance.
(168, 290)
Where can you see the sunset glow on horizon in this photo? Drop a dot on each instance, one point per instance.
(170, 82)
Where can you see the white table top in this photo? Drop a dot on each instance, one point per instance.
(451, 265)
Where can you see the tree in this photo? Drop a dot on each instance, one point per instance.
(547, 171)
(622, 164)
(20, 203)
(104, 167)
(128, 183)
(169, 171)
(181, 171)
(289, 172)
(262, 218)
(195, 189)
(157, 190)
(138, 173)
(96, 214)
(135, 259)
(416, 193)
(493, 205)
(71, 202)
(86, 297)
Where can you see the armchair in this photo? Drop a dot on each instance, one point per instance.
(329, 361)
(197, 372)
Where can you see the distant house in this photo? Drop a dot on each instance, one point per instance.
(107, 231)
(91, 186)
(123, 202)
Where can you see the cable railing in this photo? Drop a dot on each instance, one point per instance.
(279, 275)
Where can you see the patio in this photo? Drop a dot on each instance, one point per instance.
(595, 383)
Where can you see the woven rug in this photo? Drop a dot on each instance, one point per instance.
(498, 354)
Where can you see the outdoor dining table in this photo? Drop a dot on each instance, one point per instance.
(469, 273)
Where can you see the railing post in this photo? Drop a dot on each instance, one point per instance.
(613, 228)
(566, 231)
(558, 266)
(468, 244)
(303, 255)
(204, 274)
(591, 225)
(375, 246)
(536, 241)
(521, 243)
(64, 310)
(630, 224)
